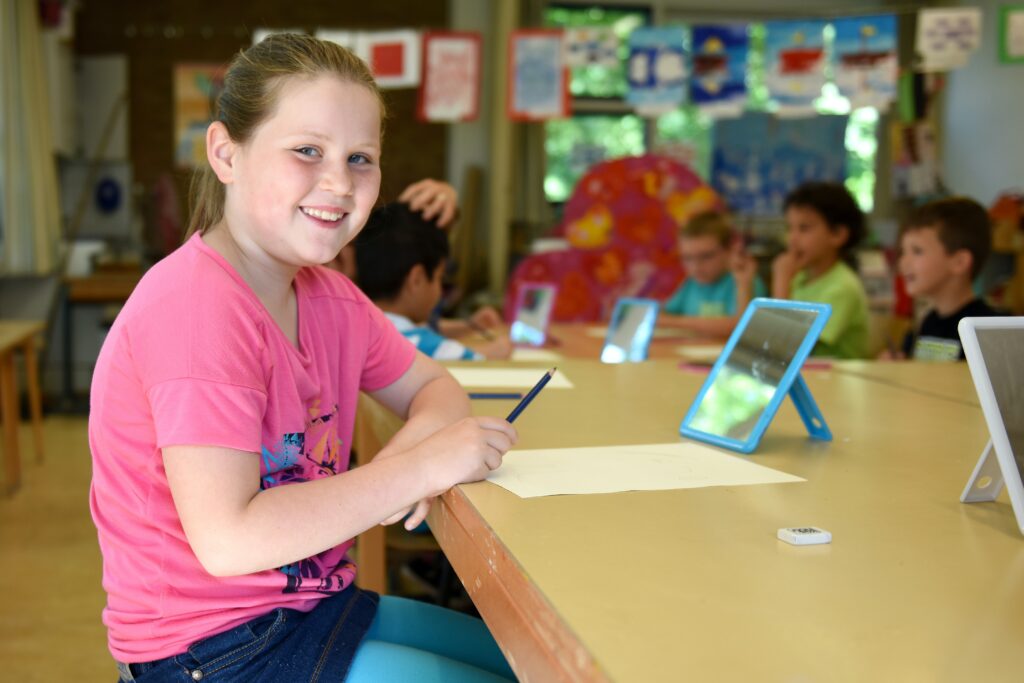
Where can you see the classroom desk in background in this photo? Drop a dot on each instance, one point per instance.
(585, 340)
(951, 381)
(692, 584)
(98, 289)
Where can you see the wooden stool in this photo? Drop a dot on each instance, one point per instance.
(15, 334)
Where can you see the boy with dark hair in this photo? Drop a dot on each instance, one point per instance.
(400, 262)
(943, 248)
(824, 226)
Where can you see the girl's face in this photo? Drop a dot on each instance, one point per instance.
(304, 184)
(812, 242)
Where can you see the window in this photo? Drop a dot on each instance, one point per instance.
(603, 127)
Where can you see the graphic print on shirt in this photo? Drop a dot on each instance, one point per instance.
(303, 456)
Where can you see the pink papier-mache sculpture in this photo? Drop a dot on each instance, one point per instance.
(622, 224)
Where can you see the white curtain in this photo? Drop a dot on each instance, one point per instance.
(29, 203)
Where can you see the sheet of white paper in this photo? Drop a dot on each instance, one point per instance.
(506, 378)
(947, 37)
(611, 469)
(522, 355)
(700, 352)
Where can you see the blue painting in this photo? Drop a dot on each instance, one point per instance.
(719, 74)
(866, 65)
(794, 63)
(657, 69)
(758, 158)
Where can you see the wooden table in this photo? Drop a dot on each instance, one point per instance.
(693, 585)
(19, 335)
(950, 381)
(101, 288)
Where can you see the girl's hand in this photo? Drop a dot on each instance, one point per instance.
(417, 513)
(435, 199)
(465, 451)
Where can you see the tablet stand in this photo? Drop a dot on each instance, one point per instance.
(987, 479)
(808, 409)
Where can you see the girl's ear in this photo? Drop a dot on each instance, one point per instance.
(220, 151)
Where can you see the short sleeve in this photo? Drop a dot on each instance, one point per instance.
(203, 365)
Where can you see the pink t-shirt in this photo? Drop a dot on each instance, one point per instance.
(195, 359)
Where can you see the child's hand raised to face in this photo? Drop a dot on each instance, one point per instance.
(743, 265)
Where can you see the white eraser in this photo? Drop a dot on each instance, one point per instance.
(804, 535)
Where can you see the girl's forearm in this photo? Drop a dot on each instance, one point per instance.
(309, 517)
(439, 403)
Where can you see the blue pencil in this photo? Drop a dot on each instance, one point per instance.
(484, 394)
(530, 396)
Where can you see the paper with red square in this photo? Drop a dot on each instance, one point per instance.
(393, 56)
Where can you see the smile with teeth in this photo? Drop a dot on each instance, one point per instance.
(322, 215)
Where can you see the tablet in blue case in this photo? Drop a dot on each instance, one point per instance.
(758, 367)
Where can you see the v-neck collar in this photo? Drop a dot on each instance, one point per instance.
(300, 349)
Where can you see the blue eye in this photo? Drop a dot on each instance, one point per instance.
(359, 159)
(307, 151)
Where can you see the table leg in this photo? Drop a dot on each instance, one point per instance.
(9, 415)
(35, 396)
(68, 398)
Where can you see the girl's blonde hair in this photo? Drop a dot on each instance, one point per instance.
(251, 88)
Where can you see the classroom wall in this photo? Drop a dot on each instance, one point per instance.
(157, 36)
(983, 148)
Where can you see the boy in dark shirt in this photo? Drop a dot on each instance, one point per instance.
(943, 247)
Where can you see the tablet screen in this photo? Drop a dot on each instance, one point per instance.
(532, 314)
(1000, 348)
(629, 331)
(748, 379)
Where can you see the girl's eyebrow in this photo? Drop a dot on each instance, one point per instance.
(326, 138)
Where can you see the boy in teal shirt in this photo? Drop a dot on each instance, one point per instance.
(824, 225)
(720, 279)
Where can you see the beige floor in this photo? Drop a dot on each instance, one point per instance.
(50, 592)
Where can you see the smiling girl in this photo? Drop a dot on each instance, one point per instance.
(223, 404)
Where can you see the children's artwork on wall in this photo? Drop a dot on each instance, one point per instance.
(758, 158)
(718, 84)
(591, 46)
(1011, 33)
(947, 37)
(393, 56)
(657, 69)
(866, 64)
(196, 87)
(794, 64)
(538, 80)
(915, 160)
(621, 224)
(451, 77)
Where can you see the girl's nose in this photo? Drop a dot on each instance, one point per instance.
(337, 180)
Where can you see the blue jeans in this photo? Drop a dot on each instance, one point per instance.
(346, 637)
